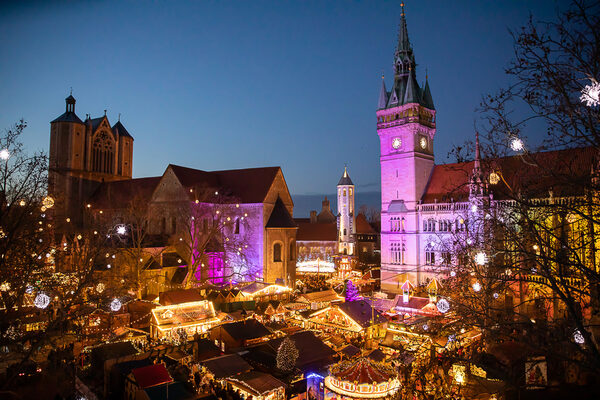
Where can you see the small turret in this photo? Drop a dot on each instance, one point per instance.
(383, 95)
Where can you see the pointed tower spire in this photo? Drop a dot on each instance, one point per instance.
(477, 186)
(403, 42)
(427, 98)
(412, 88)
(383, 96)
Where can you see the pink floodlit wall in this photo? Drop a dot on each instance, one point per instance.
(240, 233)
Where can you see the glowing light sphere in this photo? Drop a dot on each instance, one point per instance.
(516, 144)
(48, 202)
(425, 327)
(100, 287)
(4, 154)
(578, 337)
(42, 300)
(480, 258)
(496, 295)
(590, 94)
(121, 230)
(452, 273)
(477, 286)
(494, 178)
(469, 241)
(115, 305)
(443, 306)
(474, 208)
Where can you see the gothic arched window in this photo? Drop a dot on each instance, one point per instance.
(103, 154)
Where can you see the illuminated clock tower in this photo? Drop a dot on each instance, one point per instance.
(406, 129)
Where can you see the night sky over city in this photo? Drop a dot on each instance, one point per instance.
(231, 84)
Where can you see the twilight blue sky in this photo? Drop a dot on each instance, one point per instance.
(235, 84)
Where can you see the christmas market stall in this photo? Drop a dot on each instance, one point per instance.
(262, 291)
(259, 385)
(182, 321)
(360, 379)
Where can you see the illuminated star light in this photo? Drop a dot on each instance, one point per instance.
(590, 95)
(443, 306)
(578, 337)
(4, 154)
(42, 300)
(115, 305)
(121, 229)
(477, 286)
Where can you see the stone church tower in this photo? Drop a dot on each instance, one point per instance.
(83, 155)
(346, 214)
(406, 129)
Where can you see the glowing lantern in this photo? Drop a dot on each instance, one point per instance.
(494, 178)
(100, 287)
(48, 202)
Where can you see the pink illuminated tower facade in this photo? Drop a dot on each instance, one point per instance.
(406, 129)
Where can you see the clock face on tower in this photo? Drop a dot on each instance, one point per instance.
(396, 143)
(423, 142)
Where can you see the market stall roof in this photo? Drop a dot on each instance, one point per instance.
(151, 375)
(376, 355)
(184, 314)
(322, 296)
(226, 366)
(171, 391)
(360, 312)
(179, 296)
(350, 351)
(257, 383)
(246, 329)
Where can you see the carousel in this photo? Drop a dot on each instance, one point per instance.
(359, 379)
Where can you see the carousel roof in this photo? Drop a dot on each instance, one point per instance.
(362, 371)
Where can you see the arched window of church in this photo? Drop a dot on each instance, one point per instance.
(350, 191)
(344, 192)
(424, 226)
(277, 252)
(403, 253)
(103, 154)
(403, 226)
(429, 255)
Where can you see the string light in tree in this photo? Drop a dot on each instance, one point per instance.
(443, 306)
(42, 300)
(121, 230)
(477, 286)
(578, 337)
(516, 144)
(115, 305)
(4, 154)
(590, 94)
(480, 258)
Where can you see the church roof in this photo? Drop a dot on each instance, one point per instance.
(119, 129)
(68, 117)
(95, 122)
(249, 185)
(362, 225)
(320, 231)
(564, 171)
(280, 217)
(118, 194)
(345, 179)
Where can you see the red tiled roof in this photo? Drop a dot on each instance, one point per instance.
(151, 375)
(249, 185)
(118, 194)
(320, 232)
(565, 172)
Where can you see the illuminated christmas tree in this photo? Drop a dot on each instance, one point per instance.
(287, 354)
(351, 292)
